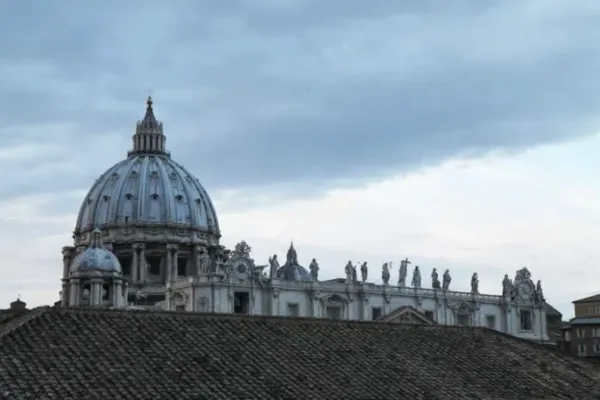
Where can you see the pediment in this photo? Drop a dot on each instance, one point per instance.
(335, 298)
(407, 315)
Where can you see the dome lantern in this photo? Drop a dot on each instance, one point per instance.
(149, 137)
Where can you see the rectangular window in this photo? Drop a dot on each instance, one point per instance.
(596, 347)
(567, 336)
(154, 265)
(596, 332)
(241, 303)
(490, 321)
(591, 310)
(462, 319)
(126, 262)
(582, 350)
(580, 333)
(182, 266)
(597, 310)
(334, 312)
(293, 310)
(429, 314)
(376, 313)
(526, 323)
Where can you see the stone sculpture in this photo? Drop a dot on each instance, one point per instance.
(507, 286)
(274, 266)
(314, 270)
(364, 270)
(349, 270)
(204, 262)
(447, 280)
(435, 281)
(403, 273)
(416, 278)
(539, 293)
(385, 274)
(475, 283)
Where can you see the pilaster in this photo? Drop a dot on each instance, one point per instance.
(143, 270)
(74, 292)
(64, 294)
(135, 264)
(168, 273)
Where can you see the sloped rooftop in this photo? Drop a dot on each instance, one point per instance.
(112, 354)
(591, 299)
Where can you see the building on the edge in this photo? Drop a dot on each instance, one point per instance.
(581, 334)
(156, 232)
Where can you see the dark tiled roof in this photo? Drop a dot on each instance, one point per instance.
(16, 309)
(591, 299)
(584, 321)
(110, 354)
(551, 311)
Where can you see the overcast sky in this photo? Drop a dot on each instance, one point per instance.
(461, 137)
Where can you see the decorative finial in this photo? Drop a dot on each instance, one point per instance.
(149, 136)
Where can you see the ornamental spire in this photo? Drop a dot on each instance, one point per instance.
(149, 136)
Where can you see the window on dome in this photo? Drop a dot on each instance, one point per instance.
(125, 262)
(154, 265)
(85, 294)
(182, 266)
(105, 292)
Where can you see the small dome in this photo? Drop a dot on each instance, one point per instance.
(96, 258)
(291, 270)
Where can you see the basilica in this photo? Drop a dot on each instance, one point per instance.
(147, 236)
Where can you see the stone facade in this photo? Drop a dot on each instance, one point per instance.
(241, 287)
(161, 225)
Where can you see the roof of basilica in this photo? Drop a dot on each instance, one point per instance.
(116, 354)
(147, 187)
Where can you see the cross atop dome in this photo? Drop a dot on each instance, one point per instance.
(149, 136)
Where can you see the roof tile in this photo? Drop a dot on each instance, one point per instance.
(101, 354)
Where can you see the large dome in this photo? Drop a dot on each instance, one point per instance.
(147, 188)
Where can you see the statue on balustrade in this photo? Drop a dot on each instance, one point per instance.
(364, 270)
(507, 286)
(435, 281)
(475, 283)
(354, 274)
(314, 270)
(416, 278)
(447, 280)
(539, 293)
(274, 266)
(349, 271)
(385, 274)
(403, 273)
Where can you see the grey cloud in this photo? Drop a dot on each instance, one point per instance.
(255, 93)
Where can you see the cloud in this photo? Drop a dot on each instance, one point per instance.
(321, 92)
